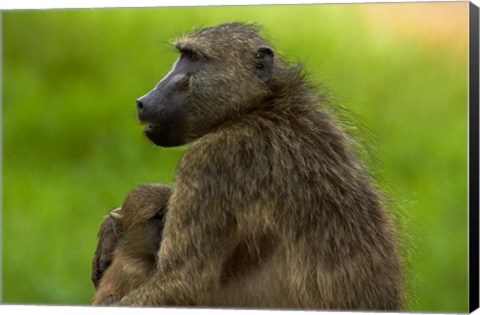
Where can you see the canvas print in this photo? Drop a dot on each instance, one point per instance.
(267, 157)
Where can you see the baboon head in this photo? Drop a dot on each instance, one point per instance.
(222, 71)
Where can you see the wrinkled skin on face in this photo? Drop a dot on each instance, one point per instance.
(201, 91)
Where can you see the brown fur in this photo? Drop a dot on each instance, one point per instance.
(129, 239)
(108, 238)
(271, 207)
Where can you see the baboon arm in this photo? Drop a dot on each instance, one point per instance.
(199, 236)
(196, 242)
(190, 260)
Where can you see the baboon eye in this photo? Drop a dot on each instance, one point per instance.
(194, 57)
(190, 56)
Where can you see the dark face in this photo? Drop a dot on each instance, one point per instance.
(214, 79)
(164, 108)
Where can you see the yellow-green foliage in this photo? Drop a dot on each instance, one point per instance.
(73, 149)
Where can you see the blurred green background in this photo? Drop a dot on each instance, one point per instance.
(73, 149)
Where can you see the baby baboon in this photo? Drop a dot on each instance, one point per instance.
(108, 238)
(271, 207)
(129, 240)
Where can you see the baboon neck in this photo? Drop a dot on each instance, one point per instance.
(290, 90)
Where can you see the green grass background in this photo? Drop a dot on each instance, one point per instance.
(73, 149)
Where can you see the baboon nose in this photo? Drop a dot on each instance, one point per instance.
(139, 104)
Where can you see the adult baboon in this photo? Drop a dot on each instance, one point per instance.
(129, 240)
(271, 206)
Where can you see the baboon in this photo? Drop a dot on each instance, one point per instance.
(271, 207)
(108, 238)
(129, 240)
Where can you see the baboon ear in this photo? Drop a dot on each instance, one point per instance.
(264, 57)
(117, 220)
(116, 216)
